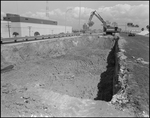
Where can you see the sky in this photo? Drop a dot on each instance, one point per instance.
(122, 12)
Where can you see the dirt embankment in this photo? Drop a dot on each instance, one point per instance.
(134, 73)
(43, 72)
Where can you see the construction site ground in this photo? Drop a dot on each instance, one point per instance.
(137, 47)
(71, 77)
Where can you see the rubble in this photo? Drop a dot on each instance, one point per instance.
(141, 60)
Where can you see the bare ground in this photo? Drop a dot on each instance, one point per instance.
(60, 81)
(138, 73)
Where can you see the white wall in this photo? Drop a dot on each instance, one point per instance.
(4, 29)
(15, 27)
(23, 29)
(43, 29)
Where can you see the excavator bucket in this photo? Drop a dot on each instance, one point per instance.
(91, 23)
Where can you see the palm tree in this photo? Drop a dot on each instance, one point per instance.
(36, 33)
(85, 27)
(142, 29)
(15, 34)
(136, 25)
(147, 27)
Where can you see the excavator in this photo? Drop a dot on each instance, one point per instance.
(107, 29)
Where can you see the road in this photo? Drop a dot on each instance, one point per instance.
(137, 46)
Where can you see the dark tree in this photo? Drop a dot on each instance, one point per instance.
(85, 27)
(129, 24)
(147, 27)
(36, 33)
(142, 29)
(136, 25)
(15, 34)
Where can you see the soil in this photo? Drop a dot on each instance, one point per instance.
(61, 78)
(138, 77)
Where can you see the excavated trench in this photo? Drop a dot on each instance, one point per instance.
(83, 67)
(109, 78)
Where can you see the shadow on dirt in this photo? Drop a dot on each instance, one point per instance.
(105, 86)
(7, 69)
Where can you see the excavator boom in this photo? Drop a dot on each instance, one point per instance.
(98, 16)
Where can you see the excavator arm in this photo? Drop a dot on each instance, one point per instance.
(90, 23)
(91, 16)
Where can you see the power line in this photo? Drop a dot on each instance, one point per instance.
(8, 29)
(79, 13)
(47, 9)
(17, 7)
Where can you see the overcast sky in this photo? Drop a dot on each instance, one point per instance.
(121, 12)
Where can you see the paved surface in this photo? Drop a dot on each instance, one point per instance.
(138, 47)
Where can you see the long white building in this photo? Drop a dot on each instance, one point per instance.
(25, 26)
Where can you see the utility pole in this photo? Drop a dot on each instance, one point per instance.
(65, 17)
(47, 9)
(29, 30)
(17, 7)
(79, 14)
(8, 29)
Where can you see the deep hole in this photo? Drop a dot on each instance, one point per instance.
(105, 86)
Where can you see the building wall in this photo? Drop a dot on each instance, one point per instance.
(43, 29)
(23, 29)
(4, 29)
(15, 27)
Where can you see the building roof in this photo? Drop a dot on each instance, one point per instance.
(18, 18)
